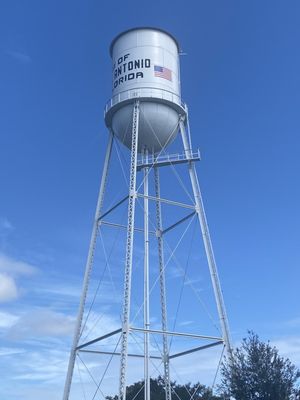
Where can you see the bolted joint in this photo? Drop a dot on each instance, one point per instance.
(158, 233)
(165, 358)
(125, 328)
(133, 194)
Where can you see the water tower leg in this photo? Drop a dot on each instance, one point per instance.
(146, 281)
(129, 251)
(88, 268)
(207, 241)
(162, 287)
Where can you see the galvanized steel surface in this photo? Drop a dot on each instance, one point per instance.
(145, 66)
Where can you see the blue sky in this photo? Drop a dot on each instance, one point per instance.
(240, 79)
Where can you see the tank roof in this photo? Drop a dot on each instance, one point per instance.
(138, 29)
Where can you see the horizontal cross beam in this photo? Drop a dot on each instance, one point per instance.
(179, 222)
(115, 225)
(118, 354)
(170, 333)
(167, 201)
(98, 339)
(113, 208)
(207, 346)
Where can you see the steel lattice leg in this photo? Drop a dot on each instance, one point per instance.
(162, 286)
(207, 242)
(129, 251)
(88, 269)
(146, 281)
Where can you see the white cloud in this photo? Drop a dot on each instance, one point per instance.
(8, 351)
(60, 290)
(42, 323)
(10, 269)
(71, 292)
(43, 365)
(289, 347)
(15, 267)
(7, 320)
(8, 288)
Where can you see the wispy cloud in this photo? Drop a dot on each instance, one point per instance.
(59, 290)
(10, 270)
(41, 323)
(9, 351)
(289, 347)
(16, 267)
(8, 288)
(7, 319)
(20, 56)
(70, 292)
(43, 365)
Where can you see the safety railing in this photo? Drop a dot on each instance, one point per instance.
(167, 159)
(145, 92)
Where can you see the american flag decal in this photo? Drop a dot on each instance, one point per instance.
(162, 72)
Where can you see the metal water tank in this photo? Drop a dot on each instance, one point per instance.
(145, 67)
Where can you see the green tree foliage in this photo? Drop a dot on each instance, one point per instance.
(157, 391)
(258, 372)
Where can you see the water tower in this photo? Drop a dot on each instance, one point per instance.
(146, 114)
